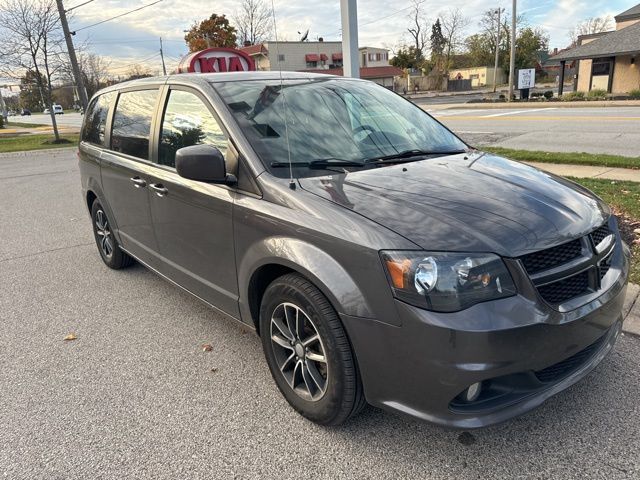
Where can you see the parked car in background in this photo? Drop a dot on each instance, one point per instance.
(379, 257)
(25, 111)
(57, 110)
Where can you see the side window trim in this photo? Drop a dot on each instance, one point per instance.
(152, 131)
(107, 125)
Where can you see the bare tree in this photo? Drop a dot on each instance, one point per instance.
(94, 69)
(418, 27)
(253, 22)
(454, 24)
(31, 39)
(591, 26)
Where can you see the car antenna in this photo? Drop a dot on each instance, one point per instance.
(292, 183)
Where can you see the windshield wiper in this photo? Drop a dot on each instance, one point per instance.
(411, 155)
(319, 164)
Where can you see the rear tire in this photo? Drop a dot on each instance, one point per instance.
(308, 352)
(108, 247)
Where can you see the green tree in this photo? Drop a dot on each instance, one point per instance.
(438, 44)
(528, 45)
(215, 31)
(406, 57)
(30, 93)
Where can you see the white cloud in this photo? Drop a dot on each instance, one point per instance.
(134, 38)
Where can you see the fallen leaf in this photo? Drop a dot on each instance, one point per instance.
(214, 369)
(70, 337)
(206, 347)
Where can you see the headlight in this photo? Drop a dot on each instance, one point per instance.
(447, 282)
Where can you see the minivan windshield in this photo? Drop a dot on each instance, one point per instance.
(332, 124)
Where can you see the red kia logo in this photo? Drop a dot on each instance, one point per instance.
(217, 60)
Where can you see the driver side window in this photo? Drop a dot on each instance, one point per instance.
(187, 121)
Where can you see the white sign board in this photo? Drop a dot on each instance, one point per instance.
(526, 78)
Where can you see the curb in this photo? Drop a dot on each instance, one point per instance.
(631, 311)
(42, 151)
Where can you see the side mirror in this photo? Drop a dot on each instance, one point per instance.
(204, 163)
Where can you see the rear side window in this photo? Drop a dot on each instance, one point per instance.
(132, 123)
(96, 119)
(187, 121)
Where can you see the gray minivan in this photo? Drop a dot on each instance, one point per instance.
(379, 257)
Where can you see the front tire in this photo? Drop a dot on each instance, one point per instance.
(108, 246)
(308, 352)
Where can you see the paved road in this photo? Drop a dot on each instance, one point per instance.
(135, 397)
(595, 130)
(68, 119)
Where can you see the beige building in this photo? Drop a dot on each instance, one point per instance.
(479, 76)
(322, 57)
(608, 61)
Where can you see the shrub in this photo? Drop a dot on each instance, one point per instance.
(635, 94)
(573, 97)
(597, 95)
(1, 121)
(548, 94)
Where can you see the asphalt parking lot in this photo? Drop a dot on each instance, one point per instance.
(135, 396)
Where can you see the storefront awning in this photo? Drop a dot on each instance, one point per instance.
(312, 57)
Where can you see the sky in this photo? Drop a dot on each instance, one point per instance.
(134, 39)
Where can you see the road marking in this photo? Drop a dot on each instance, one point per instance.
(517, 112)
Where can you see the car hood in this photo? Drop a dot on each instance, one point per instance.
(468, 203)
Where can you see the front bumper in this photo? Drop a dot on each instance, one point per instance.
(522, 352)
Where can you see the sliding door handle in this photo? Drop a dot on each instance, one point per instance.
(160, 189)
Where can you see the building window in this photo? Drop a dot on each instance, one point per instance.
(312, 64)
(601, 68)
(281, 57)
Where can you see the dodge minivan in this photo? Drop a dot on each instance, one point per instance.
(379, 257)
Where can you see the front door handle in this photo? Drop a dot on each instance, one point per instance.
(160, 189)
(138, 182)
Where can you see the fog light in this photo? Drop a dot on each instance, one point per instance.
(473, 392)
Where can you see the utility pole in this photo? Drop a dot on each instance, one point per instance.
(512, 60)
(495, 70)
(164, 68)
(350, 56)
(82, 93)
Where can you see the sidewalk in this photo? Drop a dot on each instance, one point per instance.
(527, 105)
(585, 171)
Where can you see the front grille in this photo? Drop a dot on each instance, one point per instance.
(570, 365)
(564, 290)
(600, 234)
(552, 257)
(556, 286)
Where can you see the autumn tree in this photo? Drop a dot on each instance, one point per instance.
(589, 27)
(253, 22)
(215, 31)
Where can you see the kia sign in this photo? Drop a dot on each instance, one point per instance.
(217, 60)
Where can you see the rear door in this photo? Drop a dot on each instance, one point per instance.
(193, 220)
(126, 171)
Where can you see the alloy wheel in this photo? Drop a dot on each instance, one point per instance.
(103, 233)
(299, 351)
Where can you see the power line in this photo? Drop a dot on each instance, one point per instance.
(78, 6)
(117, 16)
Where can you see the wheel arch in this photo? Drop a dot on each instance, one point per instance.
(274, 257)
